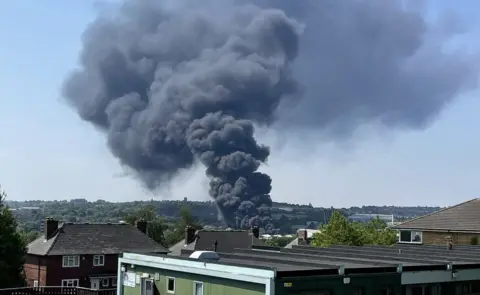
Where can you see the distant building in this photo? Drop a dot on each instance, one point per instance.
(304, 237)
(358, 217)
(83, 255)
(459, 224)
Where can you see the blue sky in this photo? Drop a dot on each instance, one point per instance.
(47, 152)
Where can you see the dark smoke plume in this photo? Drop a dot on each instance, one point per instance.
(171, 87)
(374, 61)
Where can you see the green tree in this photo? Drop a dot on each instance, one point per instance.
(340, 231)
(177, 231)
(12, 248)
(278, 241)
(156, 226)
(28, 236)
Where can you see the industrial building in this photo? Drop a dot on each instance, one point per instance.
(336, 270)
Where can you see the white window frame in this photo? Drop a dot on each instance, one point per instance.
(98, 260)
(114, 282)
(174, 283)
(35, 283)
(413, 233)
(73, 282)
(105, 280)
(195, 283)
(75, 259)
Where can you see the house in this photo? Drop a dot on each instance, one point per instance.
(459, 224)
(336, 270)
(304, 237)
(83, 255)
(214, 240)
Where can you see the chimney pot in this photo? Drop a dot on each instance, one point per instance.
(189, 235)
(141, 225)
(51, 225)
(256, 232)
(215, 245)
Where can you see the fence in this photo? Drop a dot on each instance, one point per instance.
(56, 291)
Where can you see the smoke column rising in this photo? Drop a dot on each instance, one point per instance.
(170, 87)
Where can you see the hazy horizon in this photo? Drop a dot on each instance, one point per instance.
(49, 153)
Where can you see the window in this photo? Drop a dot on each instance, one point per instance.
(417, 290)
(387, 290)
(98, 260)
(435, 290)
(70, 283)
(197, 288)
(461, 289)
(105, 282)
(410, 237)
(114, 282)
(35, 283)
(170, 285)
(71, 261)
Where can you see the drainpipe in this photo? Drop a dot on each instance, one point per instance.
(38, 272)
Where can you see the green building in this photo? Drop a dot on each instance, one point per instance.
(304, 270)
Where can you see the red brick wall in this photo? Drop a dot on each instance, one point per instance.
(438, 238)
(35, 268)
(57, 273)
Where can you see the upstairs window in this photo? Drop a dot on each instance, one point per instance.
(170, 285)
(98, 260)
(407, 236)
(71, 261)
(197, 288)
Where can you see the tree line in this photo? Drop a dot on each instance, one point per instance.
(338, 231)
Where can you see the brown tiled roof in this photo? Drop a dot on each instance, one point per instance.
(463, 217)
(73, 239)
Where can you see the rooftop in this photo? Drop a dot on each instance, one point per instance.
(227, 241)
(302, 260)
(91, 238)
(459, 218)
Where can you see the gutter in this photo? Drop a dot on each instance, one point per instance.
(466, 231)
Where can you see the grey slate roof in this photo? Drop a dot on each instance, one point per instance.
(227, 241)
(76, 239)
(353, 259)
(459, 218)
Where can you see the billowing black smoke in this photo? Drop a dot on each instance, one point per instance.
(374, 61)
(172, 86)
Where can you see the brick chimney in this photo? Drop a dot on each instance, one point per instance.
(302, 234)
(141, 225)
(189, 235)
(51, 225)
(256, 231)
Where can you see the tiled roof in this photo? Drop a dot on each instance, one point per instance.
(72, 239)
(227, 241)
(459, 218)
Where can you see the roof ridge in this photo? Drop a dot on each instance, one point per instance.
(157, 243)
(95, 223)
(436, 212)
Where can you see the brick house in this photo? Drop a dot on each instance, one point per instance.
(83, 255)
(459, 224)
